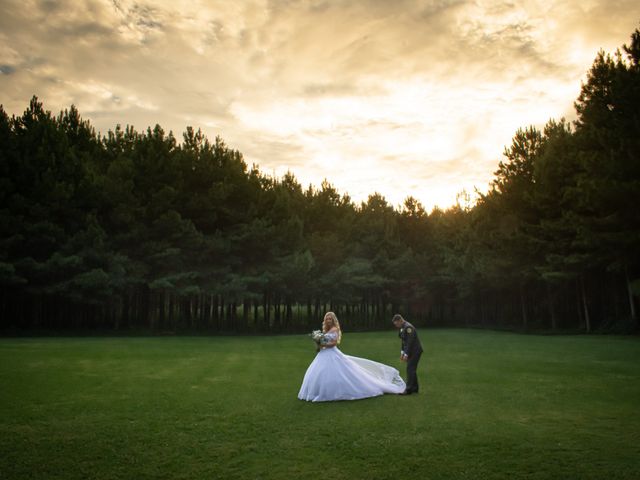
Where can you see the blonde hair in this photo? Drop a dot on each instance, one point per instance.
(335, 322)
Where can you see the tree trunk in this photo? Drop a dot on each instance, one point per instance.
(162, 318)
(632, 307)
(222, 317)
(587, 320)
(289, 313)
(316, 310)
(523, 304)
(277, 320)
(552, 310)
(144, 308)
(579, 304)
(245, 315)
(212, 309)
(234, 317)
(255, 314)
(265, 305)
(215, 320)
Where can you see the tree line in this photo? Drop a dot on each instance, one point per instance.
(137, 231)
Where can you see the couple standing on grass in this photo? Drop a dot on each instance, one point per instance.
(335, 376)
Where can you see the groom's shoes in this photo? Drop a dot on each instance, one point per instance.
(408, 392)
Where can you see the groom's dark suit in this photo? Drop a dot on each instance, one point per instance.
(411, 347)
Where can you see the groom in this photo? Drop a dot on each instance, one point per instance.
(411, 352)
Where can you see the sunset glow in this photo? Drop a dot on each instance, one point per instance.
(401, 98)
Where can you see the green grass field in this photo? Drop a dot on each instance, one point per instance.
(492, 406)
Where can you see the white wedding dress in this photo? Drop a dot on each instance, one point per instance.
(335, 376)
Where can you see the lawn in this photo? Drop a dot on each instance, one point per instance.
(492, 406)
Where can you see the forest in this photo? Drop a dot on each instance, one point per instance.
(142, 232)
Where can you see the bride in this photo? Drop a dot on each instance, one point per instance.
(335, 376)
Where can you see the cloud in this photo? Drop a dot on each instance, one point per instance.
(7, 69)
(405, 98)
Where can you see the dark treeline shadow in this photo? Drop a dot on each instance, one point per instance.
(134, 232)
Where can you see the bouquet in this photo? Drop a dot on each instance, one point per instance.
(318, 337)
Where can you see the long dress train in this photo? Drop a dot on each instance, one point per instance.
(335, 376)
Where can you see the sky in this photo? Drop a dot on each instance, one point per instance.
(403, 98)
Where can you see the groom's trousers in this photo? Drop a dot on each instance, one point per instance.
(412, 376)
